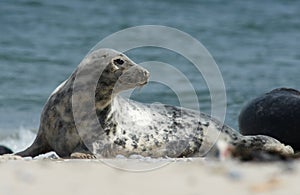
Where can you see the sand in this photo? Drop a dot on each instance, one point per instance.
(146, 176)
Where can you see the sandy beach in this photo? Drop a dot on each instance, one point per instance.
(146, 176)
(226, 54)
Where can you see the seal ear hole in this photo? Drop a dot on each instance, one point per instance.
(118, 62)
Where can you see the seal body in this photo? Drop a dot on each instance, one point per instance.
(168, 131)
(85, 117)
(275, 114)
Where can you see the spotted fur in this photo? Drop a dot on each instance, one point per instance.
(126, 127)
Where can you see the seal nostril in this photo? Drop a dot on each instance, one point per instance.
(146, 73)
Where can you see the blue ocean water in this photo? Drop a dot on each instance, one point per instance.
(255, 44)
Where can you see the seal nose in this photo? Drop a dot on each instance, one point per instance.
(147, 73)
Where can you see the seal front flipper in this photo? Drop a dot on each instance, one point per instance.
(79, 155)
(81, 152)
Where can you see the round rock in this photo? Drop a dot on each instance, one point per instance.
(275, 114)
(5, 150)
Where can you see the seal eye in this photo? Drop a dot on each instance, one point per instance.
(118, 62)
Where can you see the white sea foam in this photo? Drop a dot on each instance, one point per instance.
(18, 140)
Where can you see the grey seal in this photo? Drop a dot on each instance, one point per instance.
(123, 126)
(275, 114)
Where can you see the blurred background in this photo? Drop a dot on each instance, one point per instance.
(255, 44)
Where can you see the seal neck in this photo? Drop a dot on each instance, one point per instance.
(103, 96)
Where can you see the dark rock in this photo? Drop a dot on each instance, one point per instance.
(276, 114)
(5, 150)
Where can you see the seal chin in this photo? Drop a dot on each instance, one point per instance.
(141, 84)
(146, 79)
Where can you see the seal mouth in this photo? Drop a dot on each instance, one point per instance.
(141, 84)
